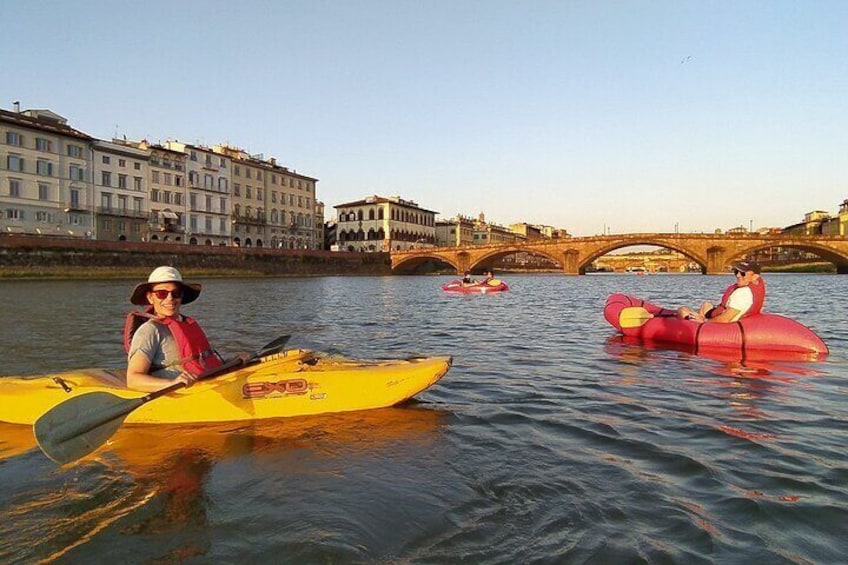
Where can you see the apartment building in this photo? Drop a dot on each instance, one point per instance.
(208, 219)
(45, 175)
(384, 224)
(168, 188)
(120, 191)
(455, 232)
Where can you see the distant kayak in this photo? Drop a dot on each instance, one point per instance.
(494, 285)
(758, 333)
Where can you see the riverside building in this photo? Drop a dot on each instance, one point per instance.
(45, 175)
(208, 190)
(384, 224)
(120, 191)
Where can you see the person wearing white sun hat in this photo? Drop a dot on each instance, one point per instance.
(164, 346)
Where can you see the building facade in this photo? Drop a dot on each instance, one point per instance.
(45, 175)
(208, 194)
(120, 191)
(384, 224)
(455, 232)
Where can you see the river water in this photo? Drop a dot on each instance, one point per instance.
(549, 441)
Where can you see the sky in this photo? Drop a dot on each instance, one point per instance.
(592, 116)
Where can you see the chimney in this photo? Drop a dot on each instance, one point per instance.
(17, 104)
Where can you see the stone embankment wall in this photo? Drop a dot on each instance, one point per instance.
(46, 256)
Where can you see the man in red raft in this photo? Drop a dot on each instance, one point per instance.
(743, 298)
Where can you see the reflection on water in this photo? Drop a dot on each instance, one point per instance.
(550, 440)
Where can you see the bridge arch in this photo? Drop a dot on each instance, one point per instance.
(488, 259)
(605, 249)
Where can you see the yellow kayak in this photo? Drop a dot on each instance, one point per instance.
(290, 383)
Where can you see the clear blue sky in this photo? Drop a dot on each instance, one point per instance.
(634, 115)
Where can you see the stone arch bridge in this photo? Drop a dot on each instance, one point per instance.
(713, 252)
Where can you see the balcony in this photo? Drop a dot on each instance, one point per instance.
(244, 219)
(120, 212)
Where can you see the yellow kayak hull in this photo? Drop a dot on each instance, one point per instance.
(291, 383)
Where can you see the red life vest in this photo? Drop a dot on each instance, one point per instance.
(758, 290)
(196, 355)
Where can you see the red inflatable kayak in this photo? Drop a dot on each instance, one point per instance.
(758, 333)
(494, 285)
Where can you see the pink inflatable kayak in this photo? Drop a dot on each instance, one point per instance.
(494, 285)
(761, 332)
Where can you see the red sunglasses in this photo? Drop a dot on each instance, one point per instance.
(162, 294)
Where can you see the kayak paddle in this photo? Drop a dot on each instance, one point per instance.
(81, 424)
(633, 317)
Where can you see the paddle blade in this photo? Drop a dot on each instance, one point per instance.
(78, 426)
(633, 317)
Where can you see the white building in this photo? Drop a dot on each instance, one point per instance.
(45, 175)
(120, 191)
(208, 190)
(383, 224)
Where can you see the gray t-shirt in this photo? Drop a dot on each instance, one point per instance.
(155, 341)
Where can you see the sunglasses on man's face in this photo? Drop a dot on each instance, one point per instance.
(163, 294)
(737, 272)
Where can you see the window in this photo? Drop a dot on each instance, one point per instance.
(237, 171)
(137, 166)
(248, 192)
(155, 195)
(122, 181)
(194, 155)
(223, 163)
(258, 175)
(122, 203)
(14, 138)
(223, 204)
(14, 214)
(178, 199)
(154, 176)
(106, 178)
(178, 180)
(259, 194)
(248, 173)
(44, 217)
(15, 163)
(44, 168)
(193, 223)
(236, 189)
(122, 162)
(166, 179)
(222, 184)
(75, 151)
(137, 204)
(42, 144)
(192, 200)
(43, 191)
(14, 187)
(106, 201)
(76, 172)
(208, 203)
(75, 198)
(166, 197)
(274, 197)
(137, 184)
(106, 160)
(208, 181)
(273, 179)
(208, 225)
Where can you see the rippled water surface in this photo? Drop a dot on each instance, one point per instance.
(549, 441)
